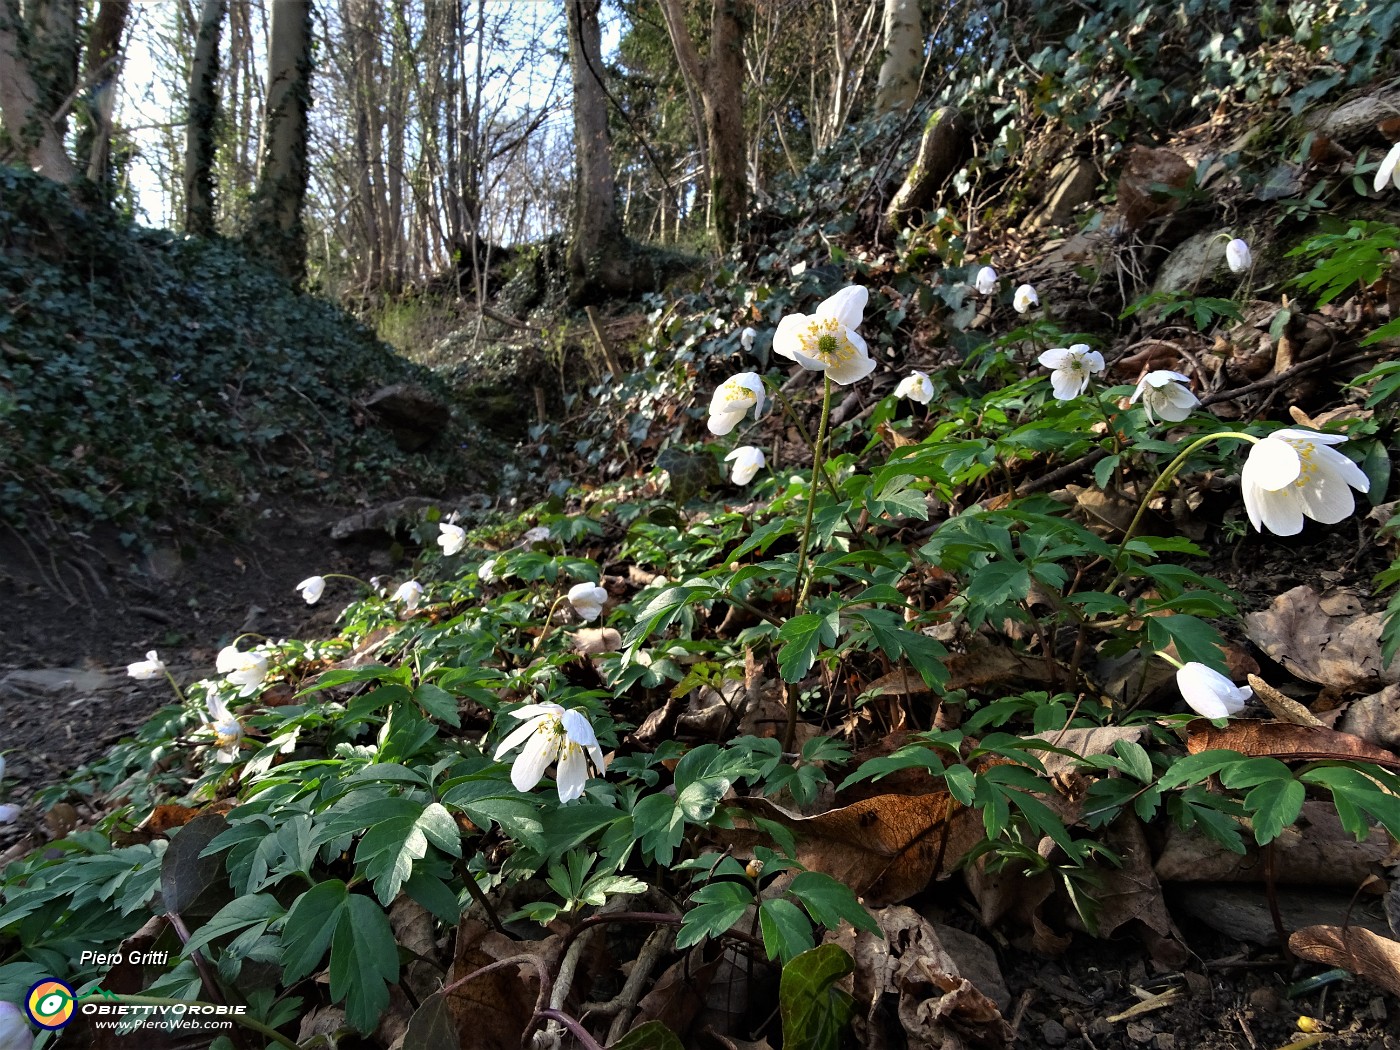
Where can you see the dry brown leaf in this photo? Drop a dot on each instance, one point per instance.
(1083, 742)
(985, 664)
(1341, 651)
(679, 993)
(1364, 953)
(1131, 891)
(1284, 708)
(492, 1010)
(886, 848)
(1283, 740)
(593, 641)
(1375, 718)
(1317, 851)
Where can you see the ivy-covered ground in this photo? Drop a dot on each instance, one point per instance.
(957, 659)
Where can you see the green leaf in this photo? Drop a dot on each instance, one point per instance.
(1135, 759)
(388, 851)
(814, 1011)
(308, 929)
(1195, 639)
(364, 961)
(786, 931)
(1274, 805)
(803, 636)
(828, 901)
(719, 905)
(439, 703)
(1194, 768)
(650, 1036)
(237, 914)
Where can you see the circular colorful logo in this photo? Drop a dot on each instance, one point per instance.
(50, 1003)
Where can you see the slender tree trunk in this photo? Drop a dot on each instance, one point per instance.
(275, 232)
(898, 84)
(200, 139)
(692, 75)
(28, 124)
(724, 120)
(101, 71)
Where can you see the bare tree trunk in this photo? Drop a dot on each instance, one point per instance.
(898, 84)
(945, 146)
(692, 75)
(724, 120)
(275, 231)
(27, 121)
(101, 70)
(600, 259)
(200, 142)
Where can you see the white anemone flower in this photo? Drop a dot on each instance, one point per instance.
(1210, 693)
(1164, 394)
(143, 670)
(9, 813)
(1389, 171)
(746, 338)
(827, 340)
(748, 461)
(1294, 473)
(1071, 368)
(915, 386)
(1024, 299)
(245, 670)
(451, 538)
(732, 400)
(486, 571)
(228, 730)
(551, 733)
(410, 593)
(1238, 255)
(587, 600)
(986, 281)
(312, 588)
(15, 1033)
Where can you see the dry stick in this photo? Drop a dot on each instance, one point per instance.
(564, 979)
(609, 357)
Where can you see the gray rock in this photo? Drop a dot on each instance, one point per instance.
(1052, 1033)
(1193, 262)
(1074, 181)
(47, 682)
(391, 519)
(1356, 119)
(413, 415)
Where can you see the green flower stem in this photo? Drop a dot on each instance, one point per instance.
(1170, 659)
(802, 430)
(1161, 483)
(1108, 421)
(818, 466)
(151, 1000)
(548, 623)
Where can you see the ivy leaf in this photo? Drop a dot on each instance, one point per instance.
(815, 1012)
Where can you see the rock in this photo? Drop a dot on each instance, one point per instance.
(1074, 181)
(1375, 718)
(371, 526)
(1139, 197)
(45, 682)
(1193, 262)
(977, 962)
(1052, 1033)
(413, 415)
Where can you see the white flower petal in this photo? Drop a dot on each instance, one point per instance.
(572, 774)
(851, 370)
(1389, 169)
(1238, 255)
(986, 280)
(451, 538)
(312, 588)
(1210, 693)
(1057, 357)
(1272, 464)
(540, 750)
(521, 733)
(786, 341)
(748, 461)
(846, 306)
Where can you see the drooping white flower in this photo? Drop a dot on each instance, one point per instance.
(748, 461)
(486, 571)
(1210, 693)
(1389, 171)
(1071, 368)
(1024, 299)
(986, 280)
(1238, 255)
(538, 534)
(245, 670)
(827, 340)
(732, 400)
(1164, 394)
(410, 593)
(228, 730)
(312, 588)
(9, 813)
(451, 538)
(143, 670)
(1294, 473)
(746, 338)
(587, 600)
(15, 1033)
(549, 733)
(915, 386)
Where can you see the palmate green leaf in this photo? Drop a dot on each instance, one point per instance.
(364, 961)
(310, 924)
(828, 902)
(897, 498)
(1195, 640)
(1198, 767)
(718, 906)
(802, 637)
(814, 1011)
(257, 909)
(1273, 806)
(786, 931)
(389, 849)
(1361, 793)
(664, 609)
(438, 703)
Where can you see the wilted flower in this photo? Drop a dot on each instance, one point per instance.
(748, 461)
(1237, 254)
(1210, 693)
(551, 733)
(587, 600)
(451, 538)
(1071, 368)
(228, 731)
(142, 671)
(732, 400)
(1024, 299)
(245, 670)
(410, 593)
(916, 387)
(987, 280)
(1164, 394)
(1292, 473)
(1389, 171)
(827, 340)
(746, 338)
(15, 1033)
(312, 588)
